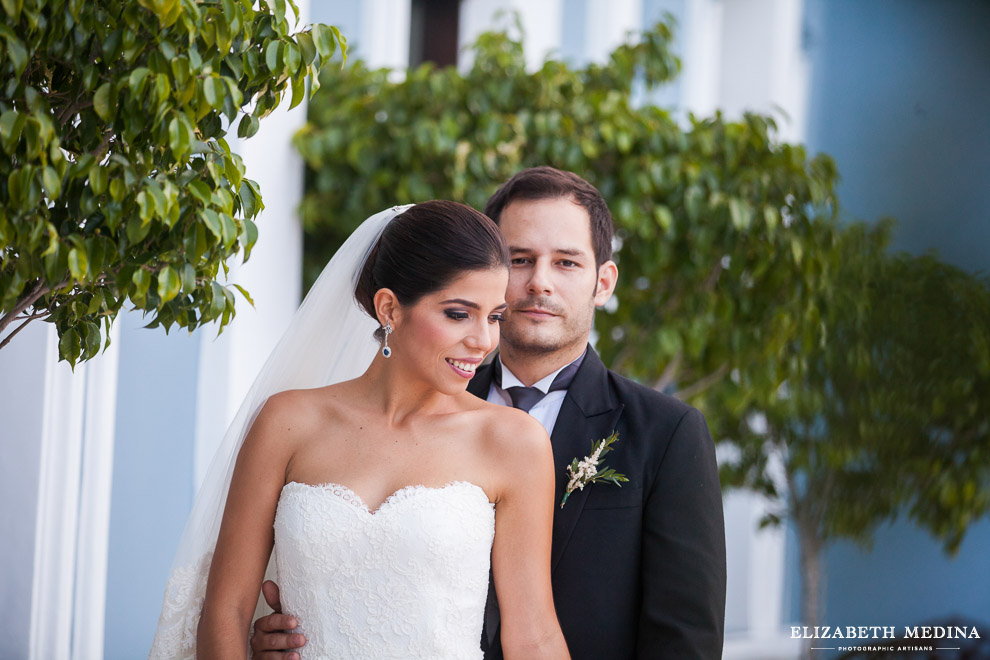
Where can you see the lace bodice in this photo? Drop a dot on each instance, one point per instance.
(408, 580)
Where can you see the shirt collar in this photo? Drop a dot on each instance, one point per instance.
(509, 379)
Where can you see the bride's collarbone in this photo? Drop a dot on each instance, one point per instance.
(378, 462)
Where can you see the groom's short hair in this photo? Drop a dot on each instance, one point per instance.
(550, 183)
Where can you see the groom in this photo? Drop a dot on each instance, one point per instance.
(638, 571)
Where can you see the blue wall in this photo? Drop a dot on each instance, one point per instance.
(900, 97)
(907, 579)
(156, 406)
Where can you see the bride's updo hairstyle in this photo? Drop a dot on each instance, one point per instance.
(425, 248)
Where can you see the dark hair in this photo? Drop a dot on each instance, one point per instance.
(550, 183)
(422, 249)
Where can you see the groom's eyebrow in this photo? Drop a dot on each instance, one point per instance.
(571, 252)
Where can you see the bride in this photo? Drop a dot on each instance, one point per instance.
(369, 475)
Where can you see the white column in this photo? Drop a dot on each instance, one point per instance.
(68, 598)
(385, 33)
(701, 32)
(607, 26)
(273, 276)
(58, 507)
(94, 502)
(542, 24)
(22, 396)
(763, 65)
(755, 597)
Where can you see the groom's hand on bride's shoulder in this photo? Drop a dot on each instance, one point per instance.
(272, 638)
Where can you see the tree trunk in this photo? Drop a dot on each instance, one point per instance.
(812, 584)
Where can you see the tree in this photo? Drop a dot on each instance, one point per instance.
(116, 181)
(739, 289)
(722, 227)
(883, 412)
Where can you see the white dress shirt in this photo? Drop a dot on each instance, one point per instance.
(546, 409)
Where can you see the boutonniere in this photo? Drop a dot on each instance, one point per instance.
(586, 471)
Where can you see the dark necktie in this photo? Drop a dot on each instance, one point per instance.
(525, 398)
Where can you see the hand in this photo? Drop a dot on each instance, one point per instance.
(271, 639)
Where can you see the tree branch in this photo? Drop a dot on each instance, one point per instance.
(27, 319)
(703, 384)
(669, 372)
(31, 297)
(713, 276)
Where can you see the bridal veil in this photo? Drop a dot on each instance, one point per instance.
(329, 340)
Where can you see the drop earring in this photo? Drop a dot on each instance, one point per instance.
(386, 351)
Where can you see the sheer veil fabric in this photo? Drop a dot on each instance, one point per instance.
(329, 340)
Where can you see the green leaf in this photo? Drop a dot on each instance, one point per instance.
(342, 41)
(168, 284)
(293, 58)
(52, 182)
(17, 53)
(118, 189)
(248, 237)
(212, 222)
(244, 293)
(218, 300)
(229, 230)
(13, 9)
(249, 199)
(323, 38)
(179, 138)
(194, 243)
(213, 90)
(68, 346)
(11, 125)
(741, 214)
(137, 80)
(200, 190)
(96, 303)
(141, 280)
(307, 47)
(298, 91)
(78, 264)
(188, 278)
(248, 126)
(98, 179)
(104, 102)
(273, 55)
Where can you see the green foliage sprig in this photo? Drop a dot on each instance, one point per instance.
(589, 470)
(116, 181)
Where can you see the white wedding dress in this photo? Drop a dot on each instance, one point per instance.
(408, 580)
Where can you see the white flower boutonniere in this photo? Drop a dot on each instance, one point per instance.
(586, 471)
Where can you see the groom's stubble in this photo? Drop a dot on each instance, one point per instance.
(547, 238)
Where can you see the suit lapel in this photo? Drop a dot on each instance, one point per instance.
(481, 383)
(587, 414)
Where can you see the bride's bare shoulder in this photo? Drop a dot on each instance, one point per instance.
(514, 431)
(296, 414)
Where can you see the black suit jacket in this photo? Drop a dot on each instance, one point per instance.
(638, 571)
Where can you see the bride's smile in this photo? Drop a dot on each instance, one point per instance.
(442, 338)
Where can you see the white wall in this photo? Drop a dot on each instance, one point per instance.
(22, 382)
(542, 22)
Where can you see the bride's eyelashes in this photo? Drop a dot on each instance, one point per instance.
(460, 315)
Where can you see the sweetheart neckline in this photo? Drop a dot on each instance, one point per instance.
(358, 501)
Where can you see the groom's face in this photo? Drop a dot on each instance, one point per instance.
(553, 279)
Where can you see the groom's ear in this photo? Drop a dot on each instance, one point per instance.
(386, 306)
(608, 275)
